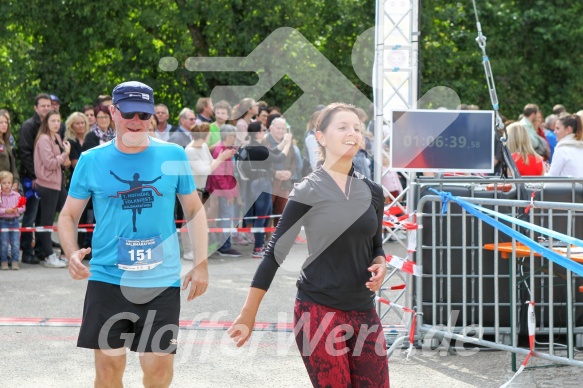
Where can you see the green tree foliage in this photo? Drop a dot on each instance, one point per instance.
(533, 46)
(79, 49)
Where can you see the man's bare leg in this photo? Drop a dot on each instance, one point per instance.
(109, 367)
(158, 369)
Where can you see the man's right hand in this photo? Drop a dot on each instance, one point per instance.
(77, 270)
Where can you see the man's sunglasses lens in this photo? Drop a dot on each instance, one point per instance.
(141, 115)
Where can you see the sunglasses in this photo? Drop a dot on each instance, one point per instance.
(130, 115)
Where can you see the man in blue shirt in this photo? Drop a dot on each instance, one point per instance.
(133, 293)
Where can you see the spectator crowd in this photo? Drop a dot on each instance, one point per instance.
(218, 140)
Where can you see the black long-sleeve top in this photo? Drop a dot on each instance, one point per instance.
(344, 233)
(259, 160)
(28, 133)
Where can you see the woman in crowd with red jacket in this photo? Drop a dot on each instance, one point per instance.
(528, 162)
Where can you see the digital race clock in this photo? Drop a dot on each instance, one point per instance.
(442, 140)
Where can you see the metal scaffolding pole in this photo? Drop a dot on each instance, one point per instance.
(396, 82)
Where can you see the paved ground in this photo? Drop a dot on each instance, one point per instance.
(44, 355)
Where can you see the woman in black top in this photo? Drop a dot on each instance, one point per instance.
(102, 131)
(77, 127)
(338, 331)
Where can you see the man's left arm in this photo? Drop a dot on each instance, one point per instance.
(196, 224)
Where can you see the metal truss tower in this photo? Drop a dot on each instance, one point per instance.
(396, 80)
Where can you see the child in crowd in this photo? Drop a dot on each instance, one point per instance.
(12, 205)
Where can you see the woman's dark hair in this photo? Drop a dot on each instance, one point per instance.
(270, 119)
(6, 136)
(253, 128)
(44, 127)
(325, 118)
(262, 109)
(573, 121)
(102, 108)
(88, 107)
(200, 131)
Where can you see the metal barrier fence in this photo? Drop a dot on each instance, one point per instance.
(476, 281)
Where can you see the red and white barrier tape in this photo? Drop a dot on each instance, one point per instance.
(236, 218)
(404, 265)
(233, 230)
(531, 326)
(532, 196)
(403, 223)
(395, 210)
(411, 241)
(36, 229)
(413, 322)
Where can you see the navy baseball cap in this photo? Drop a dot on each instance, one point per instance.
(55, 98)
(133, 96)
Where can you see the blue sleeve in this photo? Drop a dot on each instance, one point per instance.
(80, 187)
(185, 179)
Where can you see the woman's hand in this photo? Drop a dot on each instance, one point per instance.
(283, 175)
(241, 329)
(226, 155)
(67, 146)
(379, 271)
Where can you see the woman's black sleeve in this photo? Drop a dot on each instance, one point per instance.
(91, 141)
(377, 243)
(280, 244)
(75, 153)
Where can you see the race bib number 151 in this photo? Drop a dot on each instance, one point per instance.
(139, 254)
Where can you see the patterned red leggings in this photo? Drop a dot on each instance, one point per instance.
(341, 348)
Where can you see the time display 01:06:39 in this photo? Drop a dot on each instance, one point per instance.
(439, 141)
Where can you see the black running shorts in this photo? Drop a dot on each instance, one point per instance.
(144, 320)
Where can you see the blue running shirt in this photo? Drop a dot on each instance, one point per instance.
(133, 200)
